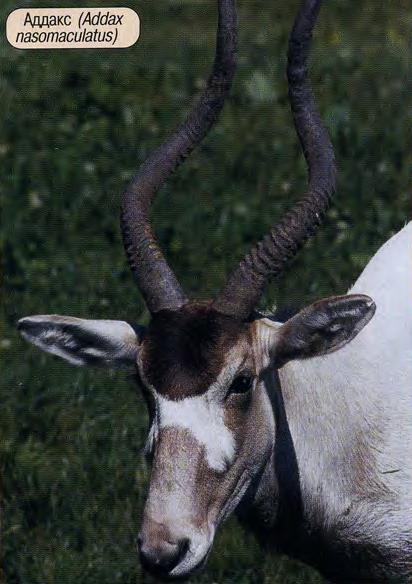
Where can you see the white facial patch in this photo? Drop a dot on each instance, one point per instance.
(203, 417)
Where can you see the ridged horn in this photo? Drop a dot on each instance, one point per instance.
(268, 258)
(157, 282)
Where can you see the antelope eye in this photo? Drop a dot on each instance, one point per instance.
(241, 384)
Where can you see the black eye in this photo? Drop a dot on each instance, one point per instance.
(241, 384)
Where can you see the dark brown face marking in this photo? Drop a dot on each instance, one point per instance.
(184, 351)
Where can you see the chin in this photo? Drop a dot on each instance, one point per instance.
(184, 573)
(181, 576)
(190, 564)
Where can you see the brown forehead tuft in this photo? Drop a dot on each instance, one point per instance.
(184, 351)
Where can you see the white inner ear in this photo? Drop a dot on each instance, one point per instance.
(56, 343)
(82, 342)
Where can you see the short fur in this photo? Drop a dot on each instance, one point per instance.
(319, 458)
(317, 461)
(183, 351)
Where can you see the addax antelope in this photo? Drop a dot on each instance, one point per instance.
(303, 427)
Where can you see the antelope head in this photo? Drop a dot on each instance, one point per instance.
(203, 366)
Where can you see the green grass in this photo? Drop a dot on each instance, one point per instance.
(74, 126)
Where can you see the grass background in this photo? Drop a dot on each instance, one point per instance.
(74, 126)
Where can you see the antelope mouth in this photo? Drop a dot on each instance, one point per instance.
(193, 561)
(197, 553)
(190, 558)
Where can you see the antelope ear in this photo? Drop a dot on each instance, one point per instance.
(108, 343)
(321, 328)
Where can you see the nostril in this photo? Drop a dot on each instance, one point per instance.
(184, 545)
(160, 557)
